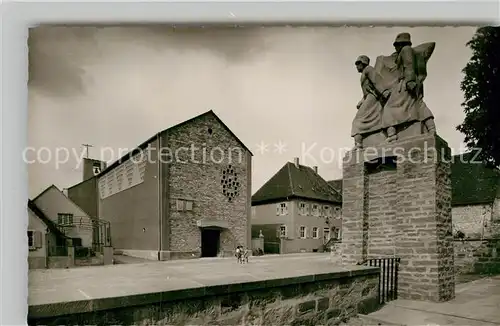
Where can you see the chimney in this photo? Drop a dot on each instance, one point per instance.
(315, 168)
(296, 161)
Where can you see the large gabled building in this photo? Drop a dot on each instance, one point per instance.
(183, 193)
(296, 204)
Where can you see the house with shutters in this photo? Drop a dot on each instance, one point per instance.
(296, 211)
(70, 219)
(44, 238)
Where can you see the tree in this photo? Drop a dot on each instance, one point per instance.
(481, 87)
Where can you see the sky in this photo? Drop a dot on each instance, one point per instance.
(114, 87)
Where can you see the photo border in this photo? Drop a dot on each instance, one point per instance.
(18, 16)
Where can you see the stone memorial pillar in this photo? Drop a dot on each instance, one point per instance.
(397, 186)
(397, 203)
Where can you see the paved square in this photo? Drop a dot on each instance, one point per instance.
(64, 285)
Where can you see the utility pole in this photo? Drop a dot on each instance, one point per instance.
(87, 149)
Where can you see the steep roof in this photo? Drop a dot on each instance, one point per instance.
(296, 182)
(50, 225)
(62, 194)
(337, 185)
(43, 192)
(473, 182)
(144, 145)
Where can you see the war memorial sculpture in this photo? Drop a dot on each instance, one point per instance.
(396, 179)
(393, 94)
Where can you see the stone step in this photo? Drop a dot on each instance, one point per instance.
(369, 320)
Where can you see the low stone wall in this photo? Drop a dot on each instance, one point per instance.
(90, 261)
(60, 262)
(324, 299)
(37, 262)
(477, 256)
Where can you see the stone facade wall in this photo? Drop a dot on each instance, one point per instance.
(198, 176)
(444, 225)
(321, 302)
(472, 220)
(494, 227)
(382, 223)
(354, 215)
(477, 257)
(421, 225)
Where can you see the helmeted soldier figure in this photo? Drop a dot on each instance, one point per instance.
(405, 103)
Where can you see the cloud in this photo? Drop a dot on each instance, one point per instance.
(55, 59)
(58, 54)
(233, 44)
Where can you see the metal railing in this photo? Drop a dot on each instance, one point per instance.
(388, 280)
(100, 229)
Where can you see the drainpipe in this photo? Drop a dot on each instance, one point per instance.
(160, 195)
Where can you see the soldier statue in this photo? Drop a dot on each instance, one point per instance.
(369, 115)
(405, 104)
(393, 92)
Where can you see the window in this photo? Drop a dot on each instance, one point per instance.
(336, 233)
(179, 205)
(302, 208)
(183, 205)
(315, 234)
(65, 219)
(302, 232)
(31, 239)
(327, 211)
(282, 231)
(34, 240)
(326, 234)
(315, 210)
(281, 209)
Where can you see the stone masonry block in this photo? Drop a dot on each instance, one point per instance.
(403, 212)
